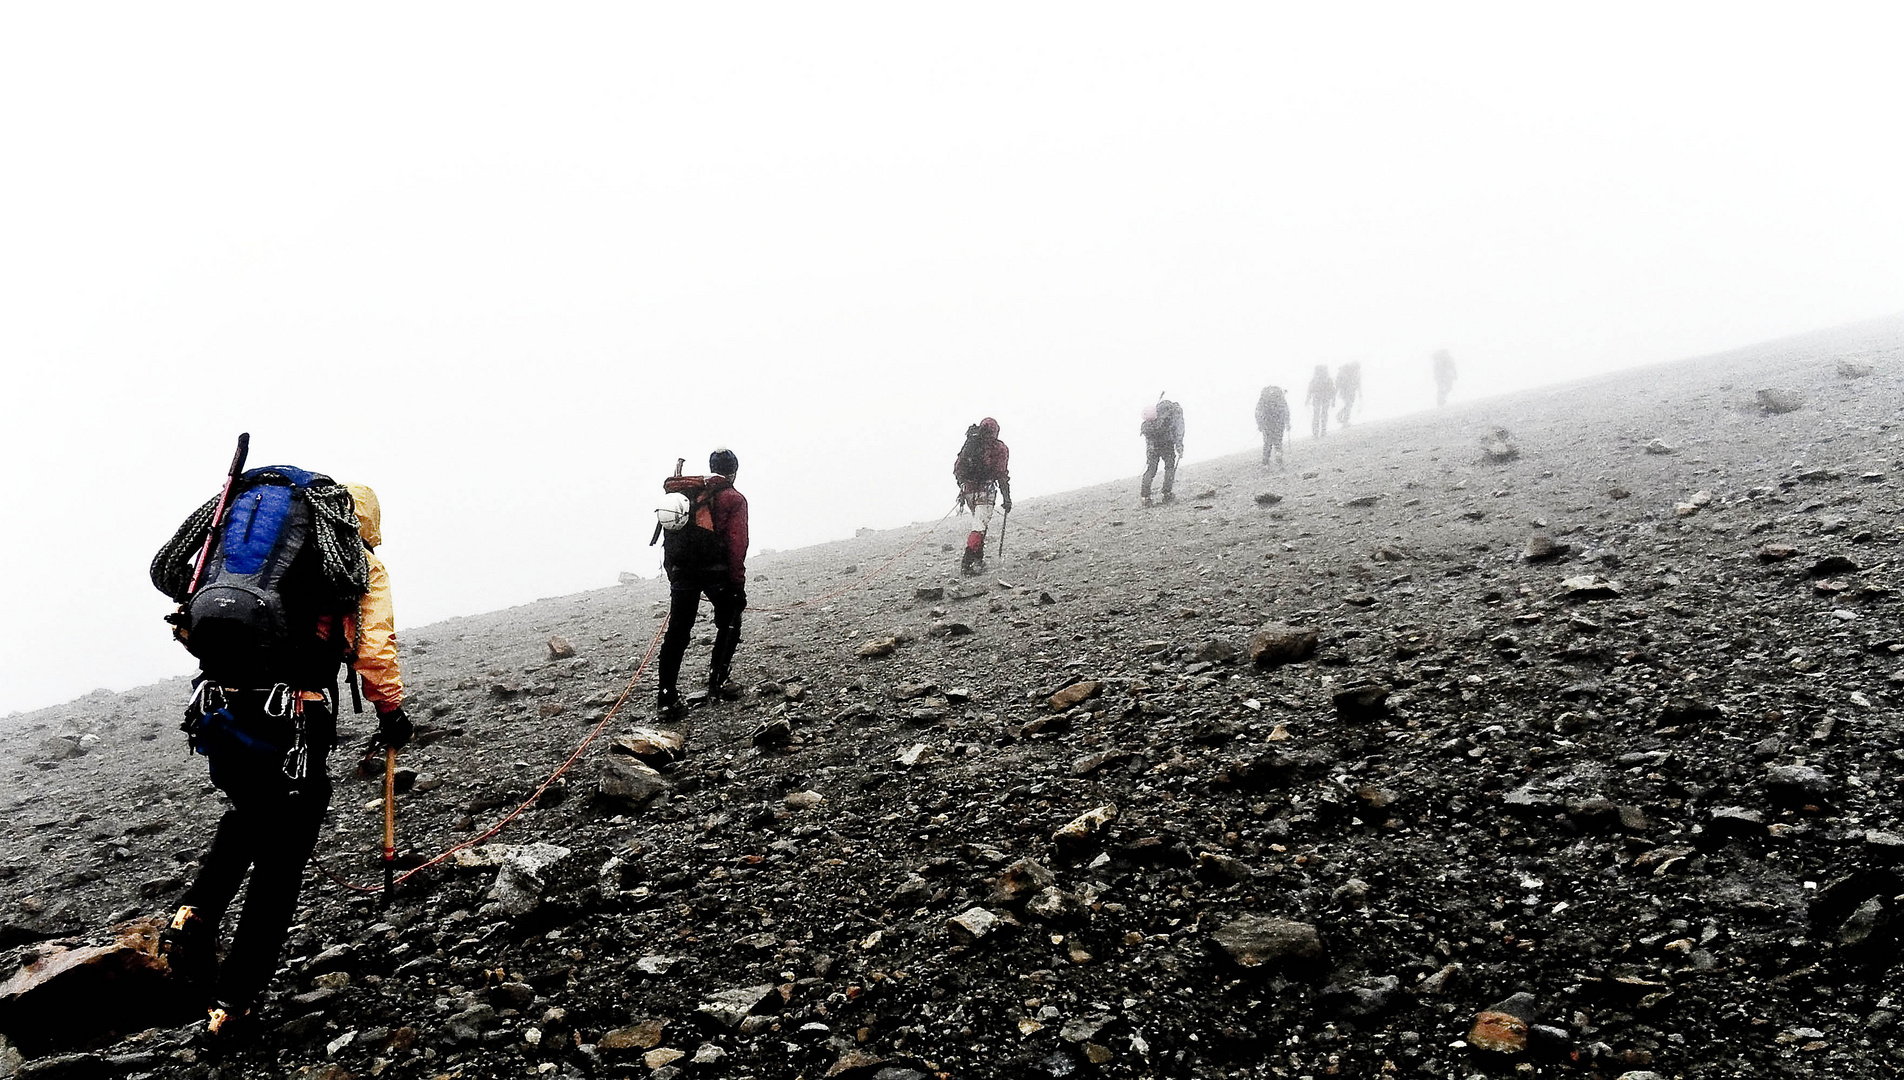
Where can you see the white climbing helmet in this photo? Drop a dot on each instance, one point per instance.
(674, 511)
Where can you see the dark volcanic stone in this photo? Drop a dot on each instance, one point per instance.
(1368, 701)
(1798, 785)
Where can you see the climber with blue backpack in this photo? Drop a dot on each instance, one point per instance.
(279, 587)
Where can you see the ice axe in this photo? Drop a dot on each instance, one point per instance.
(178, 618)
(224, 500)
(389, 823)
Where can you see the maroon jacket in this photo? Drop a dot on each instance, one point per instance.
(730, 524)
(996, 467)
(707, 560)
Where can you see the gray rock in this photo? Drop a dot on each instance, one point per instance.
(1777, 399)
(655, 746)
(67, 1067)
(1500, 447)
(466, 1028)
(1885, 848)
(1729, 821)
(912, 893)
(1215, 651)
(628, 780)
(1278, 644)
(972, 925)
(1366, 997)
(729, 1007)
(1798, 785)
(1589, 587)
(1864, 923)
(524, 876)
(1021, 879)
(1543, 548)
(1262, 941)
(1054, 905)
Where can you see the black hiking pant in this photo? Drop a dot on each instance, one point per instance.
(684, 596)
(1154, 453)
(269, 831)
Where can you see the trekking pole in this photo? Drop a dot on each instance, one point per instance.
(389, 823)
(224, 500)
(1002, 522)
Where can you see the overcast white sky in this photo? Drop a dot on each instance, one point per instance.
(507, 262)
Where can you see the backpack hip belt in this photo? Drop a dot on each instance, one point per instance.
(209, 720)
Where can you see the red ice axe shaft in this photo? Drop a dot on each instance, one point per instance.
(224, 501)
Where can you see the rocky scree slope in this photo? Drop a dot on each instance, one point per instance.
(1581, 703)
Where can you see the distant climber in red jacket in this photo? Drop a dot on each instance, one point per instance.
(983, 470)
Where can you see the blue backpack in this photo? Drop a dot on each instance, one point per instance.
(267, 581)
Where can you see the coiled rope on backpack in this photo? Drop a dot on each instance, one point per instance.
(346, 569)
(340, 546)
(172, 567)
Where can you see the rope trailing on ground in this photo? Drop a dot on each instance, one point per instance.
(601, 725)
(498, 827)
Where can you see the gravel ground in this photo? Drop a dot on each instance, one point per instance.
(1577, 705)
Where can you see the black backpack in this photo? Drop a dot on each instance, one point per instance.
(970, 464)
(286, 554)
(1162, 428)
(688, 539)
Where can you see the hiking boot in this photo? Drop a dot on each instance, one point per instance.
(1169, 498)
(227, 1025)
(1143, 500)
(724, 689)
(667, 705)
(190, 950)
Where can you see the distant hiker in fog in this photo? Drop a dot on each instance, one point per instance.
(1348, 387)
(1321, 399)
(1162, 430)
(288, 588)
(1444, 376)
(1272, 419)
(983, 472)
(705, 553)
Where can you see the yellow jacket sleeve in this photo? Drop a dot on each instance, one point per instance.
(377, 641)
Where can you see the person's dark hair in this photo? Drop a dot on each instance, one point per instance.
(724, 462)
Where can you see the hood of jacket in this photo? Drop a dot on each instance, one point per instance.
(369, 515)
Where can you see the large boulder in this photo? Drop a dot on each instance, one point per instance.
(73, 997)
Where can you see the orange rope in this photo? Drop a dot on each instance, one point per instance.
(537, 794)
(600, 726)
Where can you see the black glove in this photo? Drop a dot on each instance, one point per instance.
(393, 729)
(1005, 506)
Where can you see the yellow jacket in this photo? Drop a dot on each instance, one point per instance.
(375, 631)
